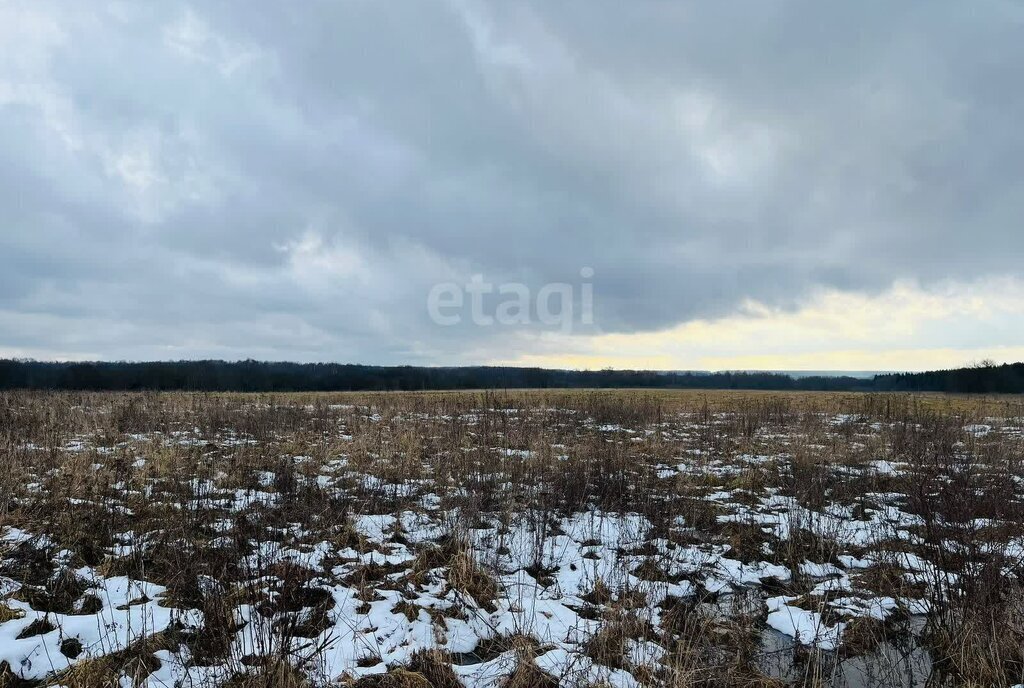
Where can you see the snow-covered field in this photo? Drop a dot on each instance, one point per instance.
(576, 539)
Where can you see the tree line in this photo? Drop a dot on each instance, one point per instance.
(265, 376)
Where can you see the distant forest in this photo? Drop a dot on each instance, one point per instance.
(260, 376)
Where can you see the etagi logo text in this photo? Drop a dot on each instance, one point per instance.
(512, 303)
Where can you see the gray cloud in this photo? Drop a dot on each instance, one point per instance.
(231, 181)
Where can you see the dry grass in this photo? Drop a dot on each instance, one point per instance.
(508, 463)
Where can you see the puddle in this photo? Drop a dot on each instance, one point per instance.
(892, 664)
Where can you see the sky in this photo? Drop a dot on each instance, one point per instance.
(792, 185)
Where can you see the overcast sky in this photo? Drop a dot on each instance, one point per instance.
(783, 185)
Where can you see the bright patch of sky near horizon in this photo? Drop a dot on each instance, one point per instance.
(833, 331)
(784, 186)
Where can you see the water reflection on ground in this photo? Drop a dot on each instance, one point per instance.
(899, 663)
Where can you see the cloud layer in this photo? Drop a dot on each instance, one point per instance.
(231, 181)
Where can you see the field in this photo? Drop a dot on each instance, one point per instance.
(601, 538)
